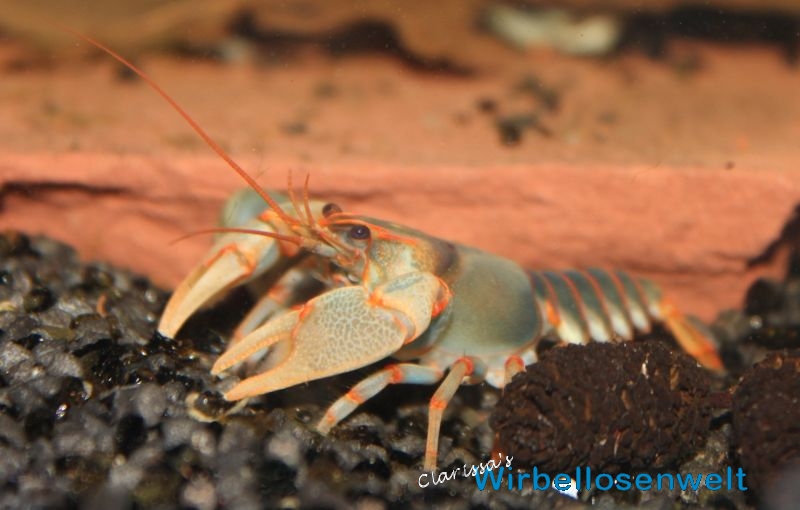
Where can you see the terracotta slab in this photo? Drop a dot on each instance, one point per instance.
(674, 176)
(691, 230)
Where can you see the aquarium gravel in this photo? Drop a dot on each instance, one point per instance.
(98, 411)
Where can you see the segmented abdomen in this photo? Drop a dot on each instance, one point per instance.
(594, 304)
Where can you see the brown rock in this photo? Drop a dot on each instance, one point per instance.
(635, 405)
(765, 416)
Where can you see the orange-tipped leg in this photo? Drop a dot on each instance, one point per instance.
(463, 367)
(514, 366)
(695, 339)
(408, 373)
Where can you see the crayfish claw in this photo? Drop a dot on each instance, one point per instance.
(234, 259)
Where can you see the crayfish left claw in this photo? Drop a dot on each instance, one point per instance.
(234, 259)
(248, 248)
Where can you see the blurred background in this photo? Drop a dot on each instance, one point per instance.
(659, 136)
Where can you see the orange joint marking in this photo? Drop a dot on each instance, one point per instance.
(279, 293)
(515, 362)
(330, 418)
(248, 258)
(550, 309)
(250, 261)
(441, 304)
(438, 404)
(395, 374)
(668, 309)
(469, 365)
(438, 307)
(354, 396)
(219, 254)
(376, 299)
(304, 311)
(552, 314)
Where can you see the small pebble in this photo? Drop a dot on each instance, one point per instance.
(38, 299)
(12, 354)
(199, 493)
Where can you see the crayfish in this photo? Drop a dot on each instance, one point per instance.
(450, 314)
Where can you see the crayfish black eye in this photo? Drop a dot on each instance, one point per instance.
(359, 232)
(330, 209)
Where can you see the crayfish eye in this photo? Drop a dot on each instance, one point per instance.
(330, 209)
(359, 232)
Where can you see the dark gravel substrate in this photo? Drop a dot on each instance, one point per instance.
(96, 411)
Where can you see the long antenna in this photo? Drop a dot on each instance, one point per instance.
(194, 125)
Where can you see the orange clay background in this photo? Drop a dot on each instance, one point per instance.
(679, 169)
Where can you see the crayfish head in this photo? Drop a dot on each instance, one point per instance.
(342, 239)
(371, 252)
(368, 251)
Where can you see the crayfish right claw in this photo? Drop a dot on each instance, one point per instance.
(335, 332)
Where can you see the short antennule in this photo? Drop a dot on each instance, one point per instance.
(289, 220)
(293, 199)
(307, 205)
